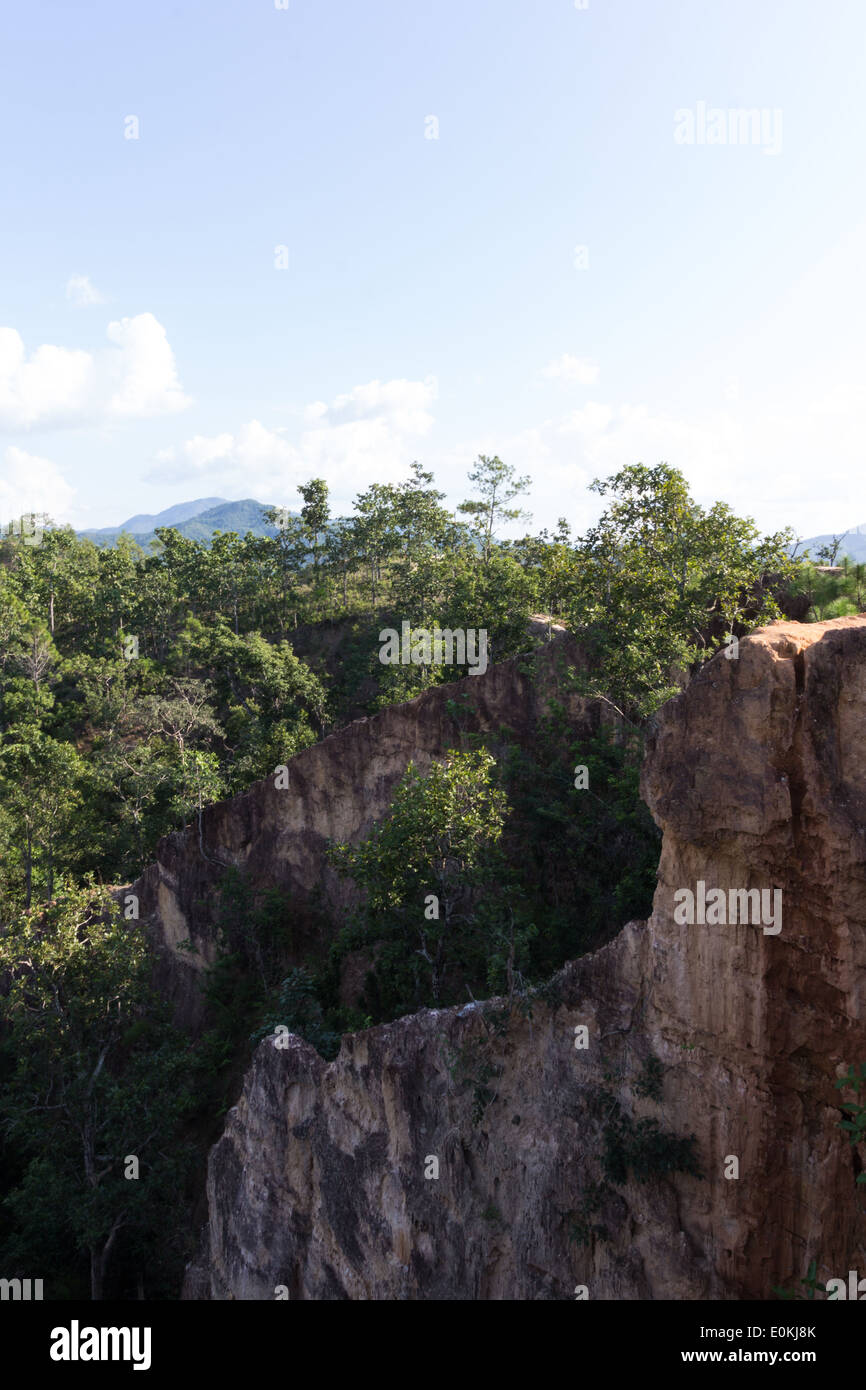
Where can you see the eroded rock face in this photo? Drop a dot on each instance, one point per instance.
(757, 776)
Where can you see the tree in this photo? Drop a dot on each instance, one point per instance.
(660, 583)
(117, 596)
(38, 658)
(40, 780)
(420, 519)
(99, 1077)
(422, 867)
(267, 699)
(184, 715)
(549, 561)
(497, 485)
(827, 553)
(341, 552)
(377, 529)
(293, 549)
(14, 622)
(315, 514)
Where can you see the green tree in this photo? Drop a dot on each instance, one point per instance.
(497, 485)
(293, 549)
(40, 781)
(377, 530)
(660, 582)
(341, 553)
(98, 1077)
(421, 870)
(315, 515)
(827, 553)
(266, 699)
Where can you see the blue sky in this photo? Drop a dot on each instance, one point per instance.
(433, 305)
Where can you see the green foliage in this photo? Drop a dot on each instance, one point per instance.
(810, 1282)
(640, 1148)
(254, 933)
(423, 871)
(830, 595)
(298, 1009)
(854, 1126)
(649, 1083)
(584, 861)
(855, 1123)
(492, 1215)
(93, 1073)
(657, 576)
(497, 485)
(215, 696)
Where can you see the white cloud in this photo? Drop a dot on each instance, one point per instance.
(133, 379)
(52, 384)
(202, 451)
(580, 370)
(258, 454)
(143, 369)
(366, 434)
(32, 484)
(404, 404)
(81, 292)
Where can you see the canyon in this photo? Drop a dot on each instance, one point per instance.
(460, 1153)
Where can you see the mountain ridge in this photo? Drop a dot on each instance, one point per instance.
(196, 520)
(853, 543)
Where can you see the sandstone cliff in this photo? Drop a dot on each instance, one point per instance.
(322, 1181)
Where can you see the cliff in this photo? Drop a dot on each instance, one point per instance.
(323, 1181)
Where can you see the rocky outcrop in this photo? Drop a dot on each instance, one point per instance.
(757, 776)
(324, 1184)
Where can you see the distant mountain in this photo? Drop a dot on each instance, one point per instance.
(172, 516)
(196, 520)
(853, 544)
(145, 524)
(242, 517)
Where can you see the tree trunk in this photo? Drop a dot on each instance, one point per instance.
(99, 1263)
(28, 880)
(97, 1274)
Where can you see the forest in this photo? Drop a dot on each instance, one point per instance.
(137, 688)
